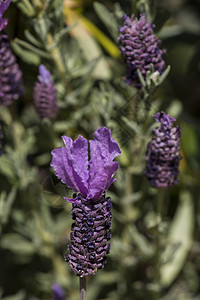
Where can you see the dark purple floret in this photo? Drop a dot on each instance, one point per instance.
(45, 97)
(10, 74)
(140, 47)
(163, 153)
(58, 292)
(89, 245)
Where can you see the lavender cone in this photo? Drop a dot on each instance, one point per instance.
(163, 153)
(10, 75)
(90, 234)
(45, 97)
(140, 48)
(91, 210)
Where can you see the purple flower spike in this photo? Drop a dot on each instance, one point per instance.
(10, 75)
(163, 153)
(3, 7)
(140, 47)
(91, 209)
(45, 97)
(58, 292)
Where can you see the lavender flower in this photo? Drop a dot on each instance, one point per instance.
(10, 74)
(140, 47)
(91, 209)
(163, 153)
(45, 98)
(58, 292)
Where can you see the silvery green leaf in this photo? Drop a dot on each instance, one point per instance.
(107, 18)
(61, 34)
(6, 202)
(32, 48)
(25, 55)
(30, 37)
(179, 240)
(26, 7)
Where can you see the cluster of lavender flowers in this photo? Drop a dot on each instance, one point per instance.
(10, 74)
(163, 153)
(140, 48)
(91, 209)
(45, 97)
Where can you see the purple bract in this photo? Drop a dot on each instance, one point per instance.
(90, 178)
(140, 47)
(163, 153)
(45, 95)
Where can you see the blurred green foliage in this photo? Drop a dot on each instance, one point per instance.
(77, 41)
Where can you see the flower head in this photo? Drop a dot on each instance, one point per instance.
(58, 292)
(45, 97)
(140, 47)
(163, 153)
(91, 209)
(10, 75)
(3, 7)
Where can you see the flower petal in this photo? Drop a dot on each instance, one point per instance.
(103, 150)
(71, 164)
(63, 167)
(79, 154)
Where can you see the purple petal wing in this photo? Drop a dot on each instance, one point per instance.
(63, 167)
(3, 6)
(103, 150)
(71, 164)
(79, 154)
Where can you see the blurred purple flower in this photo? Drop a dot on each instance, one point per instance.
(140, 47)
(10, 75)
(58, 292)
(45, 97)
(163, 153)
(91, 210)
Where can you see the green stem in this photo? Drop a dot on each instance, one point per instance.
(57, 58)
(160, 200)
(82, 288)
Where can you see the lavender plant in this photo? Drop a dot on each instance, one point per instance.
(89, 177)
(45, 98)
(10, 74)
